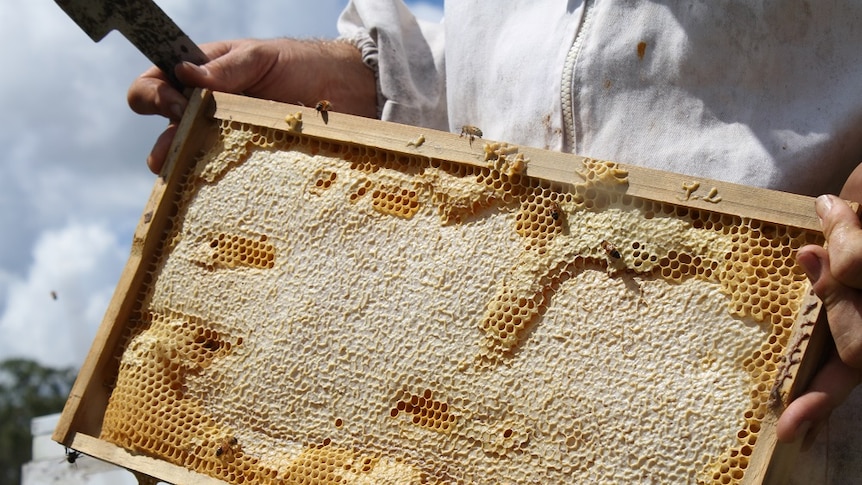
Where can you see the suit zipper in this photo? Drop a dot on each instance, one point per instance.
(568, 90)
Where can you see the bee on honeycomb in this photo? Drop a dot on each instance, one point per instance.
(226, 445)
(611, 250)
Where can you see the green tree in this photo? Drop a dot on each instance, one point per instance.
(27, 390)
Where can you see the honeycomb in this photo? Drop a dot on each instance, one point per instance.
(232, 250)
(325, 313)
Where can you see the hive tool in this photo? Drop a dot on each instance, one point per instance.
(146, 26)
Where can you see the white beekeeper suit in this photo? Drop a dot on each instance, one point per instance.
(762, 93)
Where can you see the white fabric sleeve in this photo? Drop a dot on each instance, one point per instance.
(407, 56)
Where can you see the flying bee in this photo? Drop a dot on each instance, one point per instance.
(226, 445)
(612, 250)
(472, 132)
(323, 107)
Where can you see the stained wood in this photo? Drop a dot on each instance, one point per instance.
(772, 461)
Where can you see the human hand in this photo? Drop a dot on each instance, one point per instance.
(836, 275)
(286, 70)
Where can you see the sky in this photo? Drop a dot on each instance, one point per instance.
(73, 178)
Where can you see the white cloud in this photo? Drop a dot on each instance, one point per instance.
(68, 139)
(80, 264)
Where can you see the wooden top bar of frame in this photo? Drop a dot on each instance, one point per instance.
(791, 210)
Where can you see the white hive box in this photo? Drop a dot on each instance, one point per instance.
(329, 299)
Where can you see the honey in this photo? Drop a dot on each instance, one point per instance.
(327, 313)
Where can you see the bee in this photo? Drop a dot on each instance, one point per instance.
(472, 132)
(226, 445)
(72, 455)
(555, 211)
(612, 250)
(323, 107)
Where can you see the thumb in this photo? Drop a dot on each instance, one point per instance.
(231, 73)
(200, 76)
(843, 232)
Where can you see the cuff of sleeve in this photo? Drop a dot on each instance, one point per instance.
(368, 49)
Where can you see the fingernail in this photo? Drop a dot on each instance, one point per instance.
(822, 205)
(196, 68)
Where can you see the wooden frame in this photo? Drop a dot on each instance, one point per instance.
(81, 421)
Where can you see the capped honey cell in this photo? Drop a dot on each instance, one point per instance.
(320, 312)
